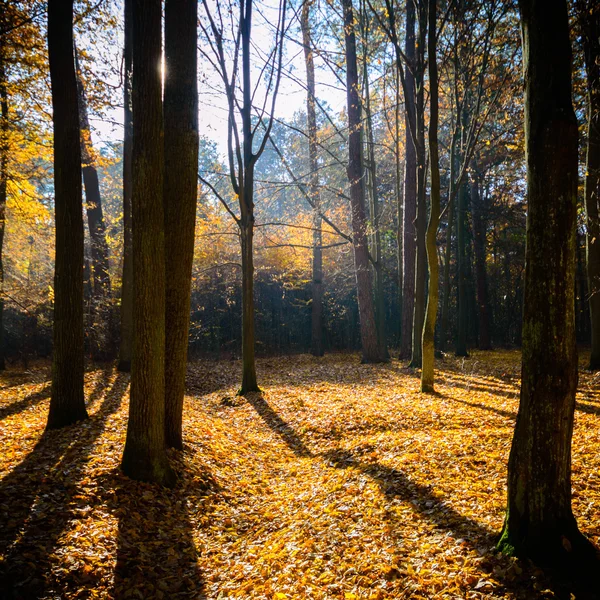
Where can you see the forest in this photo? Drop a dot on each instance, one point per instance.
(299, 299)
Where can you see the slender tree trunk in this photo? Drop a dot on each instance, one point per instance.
(479, 243)
(421, 223)
(427, 372)
(67, 404)
(93, 199)
(590, 20)
(399, 208)
(539, 520)
(317, 256)
(368, 330)
(376, 225)
(448, 250)
(145, 457)
(461, 250)
(180, 196)
(127, 277)
(409, 233)
(249, 381)
(4, 148)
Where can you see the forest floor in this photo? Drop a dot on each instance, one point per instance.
(339, 481)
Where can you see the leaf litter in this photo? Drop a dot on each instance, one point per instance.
(338, 481)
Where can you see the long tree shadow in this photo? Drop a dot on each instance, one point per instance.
(498, 411)
(278, 425)
(395, 484)
(156, 554)
(37, 498)
(14, 408)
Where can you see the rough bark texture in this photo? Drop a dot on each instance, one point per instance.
(539, 521)
(3, 185)
(180, 196)
(145, 457)
(479, 243)
(428, 351)
(127, 278)
(590, 25)
(67, 403)
(409, 232)
(317, 257)
(368, 330)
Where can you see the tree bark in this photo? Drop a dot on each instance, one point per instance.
(67, 403)
(479, 243)
(539, 520)
(180, 197)
(125, 349)
(145, 457)
(368, 330)
(317, 252)
(4, 149)
(590, 22)
(409, 233)
(421, 222)
(427, 371)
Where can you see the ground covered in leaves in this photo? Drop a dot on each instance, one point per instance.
(339, 481)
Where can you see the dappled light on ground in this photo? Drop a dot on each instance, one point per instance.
(339, 480)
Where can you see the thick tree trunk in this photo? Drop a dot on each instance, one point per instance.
(125, 348)
(67, 403)
(590, 20)
(409, 232)
(145, 457)
(3, 185)
(479, 243)
(368, 330)
(539, 521)
(180, 196)
(427, 372)
(317, 253)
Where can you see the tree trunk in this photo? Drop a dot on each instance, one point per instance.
(67, 404)
(317, 253)
(590, 20)
(427, 372)
(409, 232)
(479, 243)
(127, 277)
(180, 196)
(399, 208)
(461, 251)
(3, 185)
(93, 199)
(249, 381)
(368, 330)
(539, 521)
(145, 457)
(421, 223)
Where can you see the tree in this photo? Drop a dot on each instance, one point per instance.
(371, 351)
(145, 457)
(589, 19)
(317, 258)
(180, 195)
(4, 149)
(67, 404)
(242, 157)
(427, 372)
(539, 520)
(127, 274)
